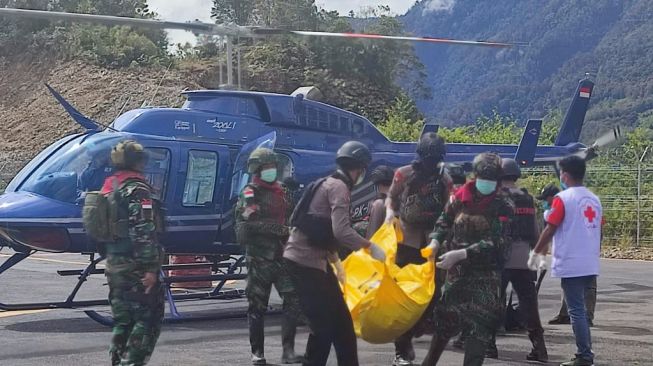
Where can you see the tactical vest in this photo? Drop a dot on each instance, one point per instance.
(422, 201)
(522, 224)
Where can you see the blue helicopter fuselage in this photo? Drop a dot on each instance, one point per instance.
(197, 165)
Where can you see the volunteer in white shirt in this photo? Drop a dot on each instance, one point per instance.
(574, 224)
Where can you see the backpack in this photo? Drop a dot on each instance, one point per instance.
(102, 217)
(317, 229)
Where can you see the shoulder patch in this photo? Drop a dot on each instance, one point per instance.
(248, 192)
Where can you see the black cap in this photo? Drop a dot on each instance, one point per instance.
(549, 190)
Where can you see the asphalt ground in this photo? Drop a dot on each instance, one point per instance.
(623, 332)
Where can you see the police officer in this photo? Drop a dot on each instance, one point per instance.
(474, 221)
(382, 177)
(133, 262)
(261, 216)
(307, 254)
(522, 232)
(418, 192)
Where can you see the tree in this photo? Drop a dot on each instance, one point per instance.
(240, 12)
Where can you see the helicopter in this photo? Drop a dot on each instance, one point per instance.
(198, 154)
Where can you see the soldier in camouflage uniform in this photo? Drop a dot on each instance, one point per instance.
(418, 192)
(475, 218)
(133, 263)
(262, 212)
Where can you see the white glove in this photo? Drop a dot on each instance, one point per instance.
(449, 259)
(340, 272)
(536, 261)
(389, 215)
(434, 245)
(377, 253)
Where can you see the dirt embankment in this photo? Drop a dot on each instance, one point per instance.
(31, 119)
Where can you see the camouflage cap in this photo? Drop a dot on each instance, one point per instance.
(487, 166)
(260, 156)
(128, 154)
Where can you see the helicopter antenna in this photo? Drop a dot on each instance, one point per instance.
(156, 90)
(129, 98)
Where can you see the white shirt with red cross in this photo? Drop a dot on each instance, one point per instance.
(578, 214)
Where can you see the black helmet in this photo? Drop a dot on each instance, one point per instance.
(549, 191)
(487, 166)
(353, 154)
(128, 154)
(431, 146)
(457, 173)
(382, 174)
(510, 168)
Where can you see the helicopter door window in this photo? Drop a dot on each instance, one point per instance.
(200, 178)
(285, 167)
(156, 170)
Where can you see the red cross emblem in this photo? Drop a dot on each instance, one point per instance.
(590, 214)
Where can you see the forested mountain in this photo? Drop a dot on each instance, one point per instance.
(610, 38)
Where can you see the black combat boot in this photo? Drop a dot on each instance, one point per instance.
(474, 352)
(288, 331)
(435, 351)
(538, 353)
(256, 338)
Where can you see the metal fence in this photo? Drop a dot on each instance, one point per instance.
(626, 193)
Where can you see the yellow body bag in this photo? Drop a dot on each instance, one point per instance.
(385, 301)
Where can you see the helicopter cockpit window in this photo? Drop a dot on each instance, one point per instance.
(80, 166)
(200, 179)
(83, 164)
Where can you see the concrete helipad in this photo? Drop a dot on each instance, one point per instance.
(623, 332)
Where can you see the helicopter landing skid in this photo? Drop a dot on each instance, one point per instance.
(225, 272)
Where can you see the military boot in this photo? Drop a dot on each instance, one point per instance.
(256, 338)
(474, 352)
(538, 353)
(288, 331)
(435, 351)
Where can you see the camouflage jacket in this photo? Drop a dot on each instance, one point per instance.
(478, 224)
(143, 244)
(262, 214)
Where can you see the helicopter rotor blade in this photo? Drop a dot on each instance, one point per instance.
(228, 29)
(408, 38)
(197, 26)
(609, 138)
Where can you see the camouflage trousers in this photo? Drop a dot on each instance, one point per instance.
(137, 316)
(470, 303)
(261, 275)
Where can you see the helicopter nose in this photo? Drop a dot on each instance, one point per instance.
(37, 222)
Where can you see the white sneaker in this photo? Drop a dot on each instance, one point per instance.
(256, 360)
(400, 361)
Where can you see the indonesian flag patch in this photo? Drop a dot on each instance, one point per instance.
(585, 92)
(248, 192)
(146, 204)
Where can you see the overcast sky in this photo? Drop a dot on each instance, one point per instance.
(184, 10)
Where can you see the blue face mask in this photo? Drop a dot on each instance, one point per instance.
(485, 187)
(545, 205)
(563, 185)
(269, 175)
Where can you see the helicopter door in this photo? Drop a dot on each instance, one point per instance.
(240, 175)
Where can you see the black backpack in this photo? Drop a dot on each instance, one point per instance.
(317, 229)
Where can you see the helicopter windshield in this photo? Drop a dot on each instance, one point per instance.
(83, 164)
